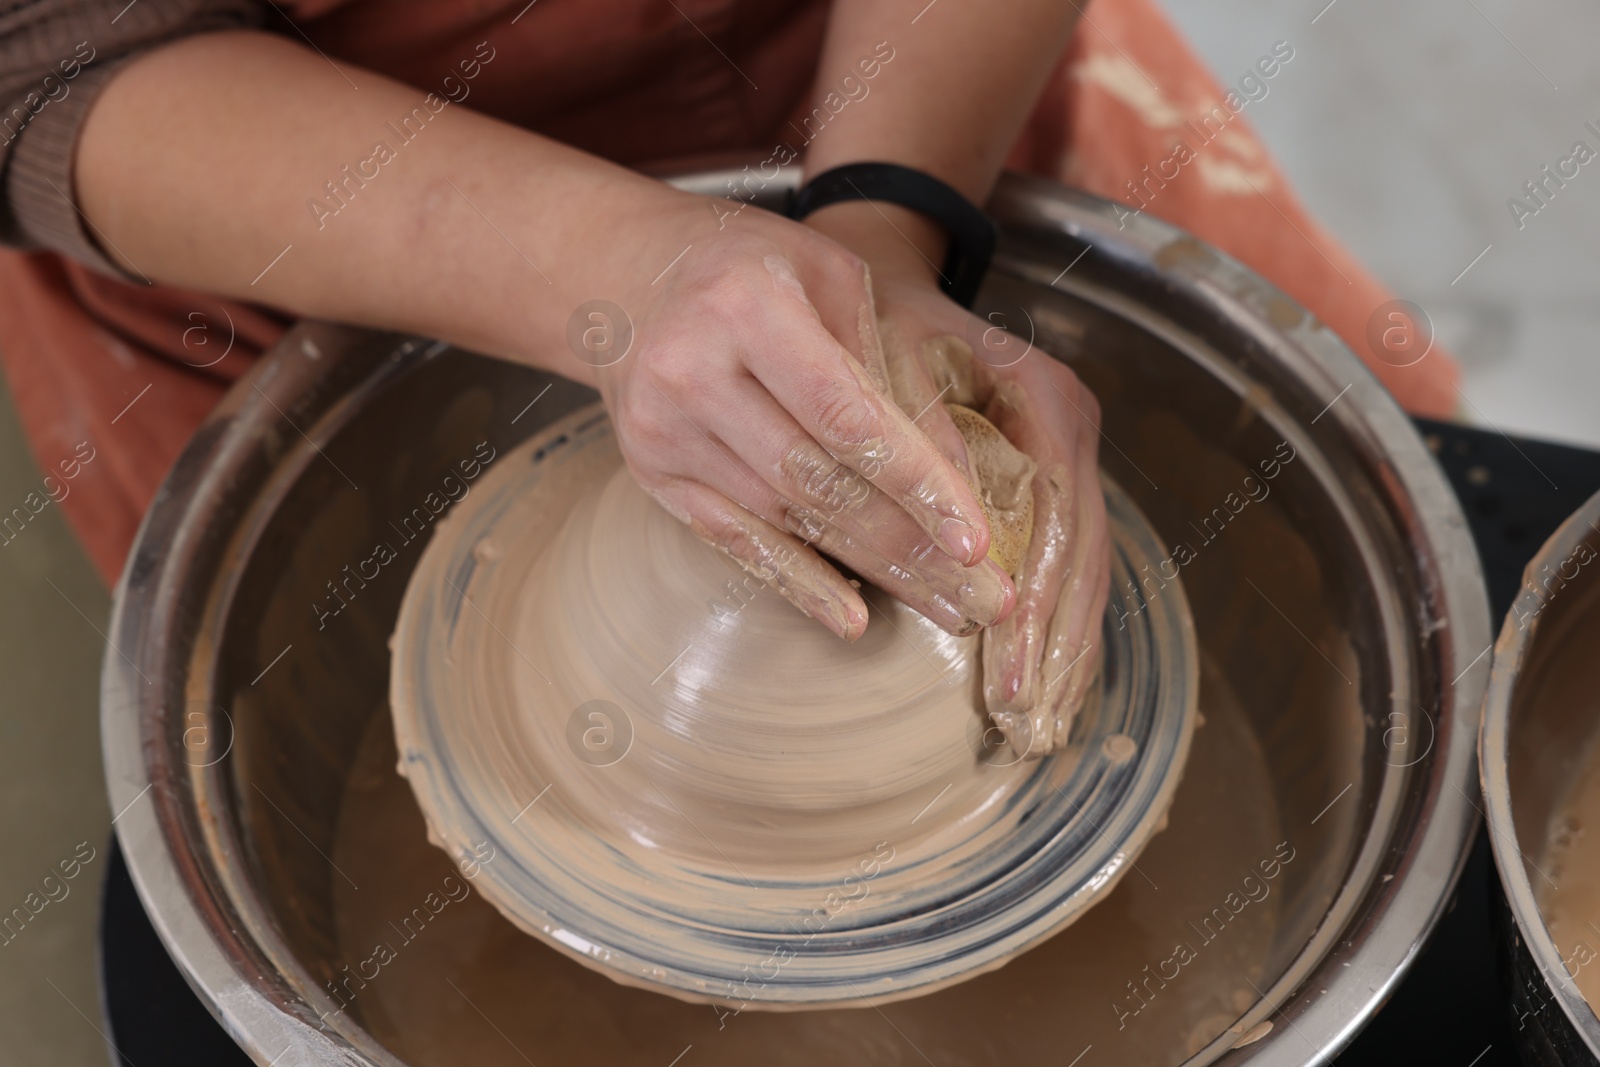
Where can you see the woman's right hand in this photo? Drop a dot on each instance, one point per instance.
(743, 404)
(753, 405)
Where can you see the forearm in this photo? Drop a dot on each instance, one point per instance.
(205, 160)
(247, 165)
(951, 102)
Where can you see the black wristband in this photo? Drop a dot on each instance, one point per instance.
(972, 234)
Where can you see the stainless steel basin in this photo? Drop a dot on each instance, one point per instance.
(1538, 724)
(1345, 611)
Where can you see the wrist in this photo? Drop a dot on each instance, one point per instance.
(897, 243)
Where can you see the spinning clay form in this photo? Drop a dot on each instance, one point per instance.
(688, 785)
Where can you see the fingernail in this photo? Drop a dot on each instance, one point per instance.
(842, 619)
(959, 539)
(830, 614)
(949, 613)
(986, 594)
(1005, 672)
(1008, 590)
(855, 624)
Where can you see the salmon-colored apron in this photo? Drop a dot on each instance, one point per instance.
(131, 370)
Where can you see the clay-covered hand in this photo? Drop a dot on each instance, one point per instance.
(752, 407)
(1037, 663)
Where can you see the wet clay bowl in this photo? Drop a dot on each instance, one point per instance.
(1345, 602)
(690, 787)
(1541, 723)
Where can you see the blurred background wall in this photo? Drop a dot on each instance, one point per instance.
(1406, 127)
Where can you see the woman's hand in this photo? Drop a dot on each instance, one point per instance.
(1038, 661)
(753, 406)
(742, 404)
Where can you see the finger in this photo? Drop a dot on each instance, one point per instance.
(828, 393)
(959, 600)
(921, 397)
(810, 494)
(871, 353)
(1089, 581)
(1041, 424)
(774, 556)
(838, 286)
(1081, 674)
(1072, 655)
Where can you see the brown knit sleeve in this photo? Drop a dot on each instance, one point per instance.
(55, 57)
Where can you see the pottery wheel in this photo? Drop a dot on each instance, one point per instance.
(654, 763)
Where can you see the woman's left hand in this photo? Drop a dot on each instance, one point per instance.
(1036, 663)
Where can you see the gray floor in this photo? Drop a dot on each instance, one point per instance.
(51, 791)
(1406, 127)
